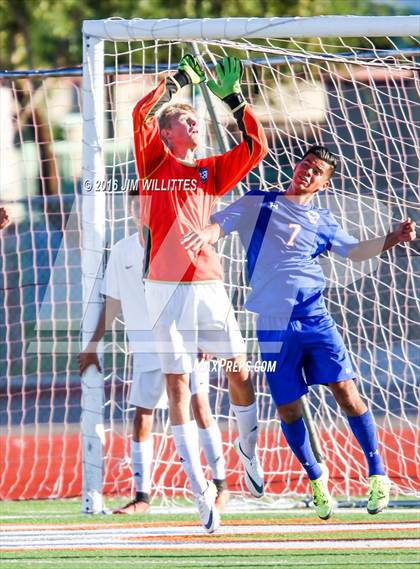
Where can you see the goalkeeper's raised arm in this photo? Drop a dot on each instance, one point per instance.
(151, 138)
(245, 156)
(149, 147)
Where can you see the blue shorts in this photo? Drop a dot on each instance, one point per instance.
(303, 352)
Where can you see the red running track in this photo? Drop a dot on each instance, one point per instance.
(49, 466)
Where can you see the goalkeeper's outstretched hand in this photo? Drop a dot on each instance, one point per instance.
(229, 74)
(190, 67)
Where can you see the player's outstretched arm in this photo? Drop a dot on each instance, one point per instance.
(110, 309)
(233, 165)
(194, 240)
(405, 232)
(149, 147)
(189, 72)
(228, 84)
(4, 218)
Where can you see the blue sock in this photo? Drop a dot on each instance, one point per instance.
(364, 429)
(298, 438)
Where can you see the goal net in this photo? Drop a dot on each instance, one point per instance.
(347, 83)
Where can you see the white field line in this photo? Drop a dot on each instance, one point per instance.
(234, 545)
(192, 510)
(148, 561)
(40, 538)
(152, 531)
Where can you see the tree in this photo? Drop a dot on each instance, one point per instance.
(38, 34)
(47, 33)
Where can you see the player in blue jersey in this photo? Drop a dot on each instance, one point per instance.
(283, 233)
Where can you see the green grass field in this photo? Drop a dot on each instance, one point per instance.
(249, 533)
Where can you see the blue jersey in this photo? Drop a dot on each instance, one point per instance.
(282, 241)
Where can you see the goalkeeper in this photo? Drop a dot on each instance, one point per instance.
(124, 293)
(188, 306)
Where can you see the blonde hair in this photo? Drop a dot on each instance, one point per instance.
(171, 112)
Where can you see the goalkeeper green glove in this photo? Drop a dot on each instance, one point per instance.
(189, 71)
(229, 74)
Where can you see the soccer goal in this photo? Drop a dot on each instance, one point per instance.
(340, 81)
(350, 83)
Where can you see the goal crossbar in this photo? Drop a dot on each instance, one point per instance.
(118, 29)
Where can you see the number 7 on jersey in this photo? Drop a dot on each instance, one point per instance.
(295, 227)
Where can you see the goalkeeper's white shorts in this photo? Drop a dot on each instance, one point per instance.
(148, 387)
(188, 318)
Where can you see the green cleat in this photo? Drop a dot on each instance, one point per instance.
(378, 494)
(323, 501)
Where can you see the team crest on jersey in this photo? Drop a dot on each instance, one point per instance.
(204, 174)
(313, 216)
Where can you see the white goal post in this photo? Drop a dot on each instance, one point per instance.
(297, 51)
(117, 29)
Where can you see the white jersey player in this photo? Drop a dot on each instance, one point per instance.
(124, 292)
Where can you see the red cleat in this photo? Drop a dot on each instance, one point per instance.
(134, 507)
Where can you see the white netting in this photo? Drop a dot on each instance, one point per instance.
(40, 300)
(357, 99)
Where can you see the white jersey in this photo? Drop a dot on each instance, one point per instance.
(123, 281)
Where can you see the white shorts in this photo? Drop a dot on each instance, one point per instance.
(148, 387)
(191, 317)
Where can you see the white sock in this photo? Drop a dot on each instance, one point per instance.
(247, 426)
(211, 442)
(141, 464)
(186, 443)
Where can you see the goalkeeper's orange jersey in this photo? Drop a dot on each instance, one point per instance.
(177, 197)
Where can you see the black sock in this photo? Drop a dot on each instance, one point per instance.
(143, 497)
(220, 484)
